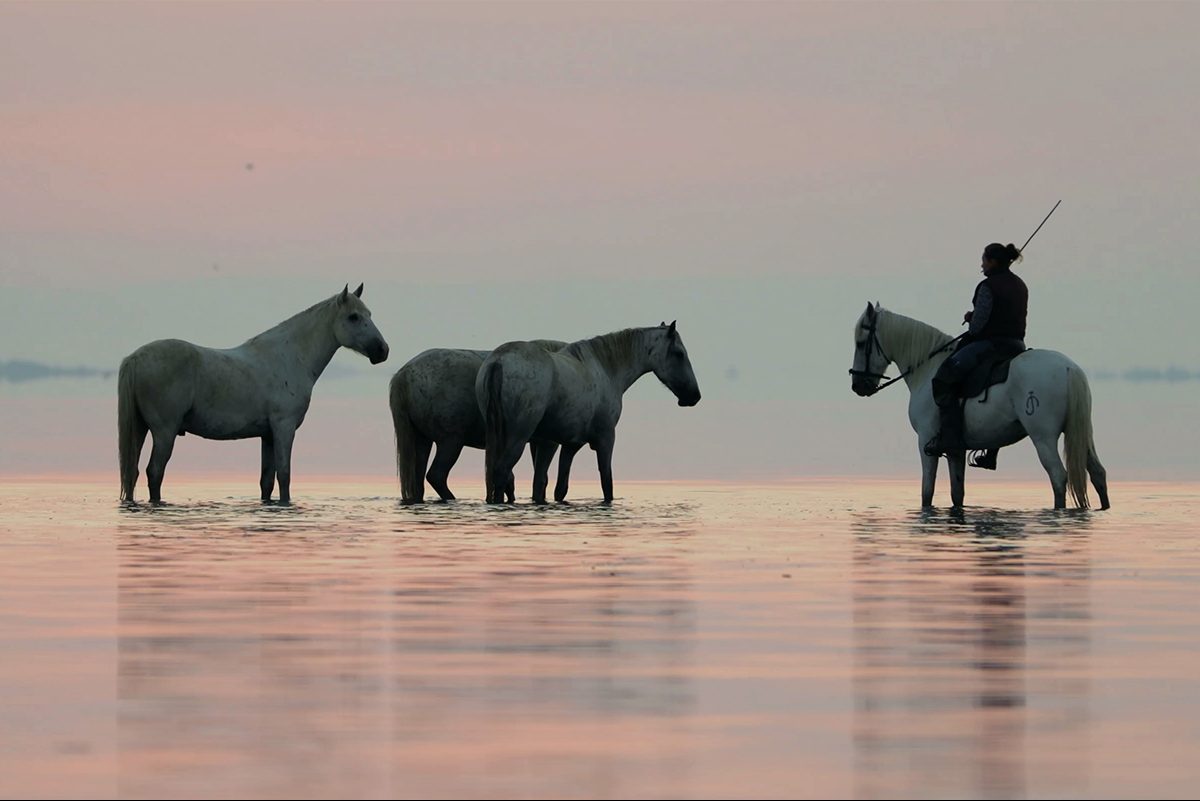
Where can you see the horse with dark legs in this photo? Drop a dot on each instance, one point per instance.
(571, 398)
(432, 399)
(261, 388)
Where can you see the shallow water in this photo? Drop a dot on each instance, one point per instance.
(815, 639)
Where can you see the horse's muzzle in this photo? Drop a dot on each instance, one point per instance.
(378, 353)
(690, 400)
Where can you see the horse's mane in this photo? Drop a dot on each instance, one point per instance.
(614, 351)
(909, 341)
(321, 304)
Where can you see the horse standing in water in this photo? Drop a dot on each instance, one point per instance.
(432, 399)
(571, 397)
(261, 389)
(1046, 395)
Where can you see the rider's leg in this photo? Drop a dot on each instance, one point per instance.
(946, 385)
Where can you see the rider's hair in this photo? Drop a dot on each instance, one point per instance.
(1005, 254)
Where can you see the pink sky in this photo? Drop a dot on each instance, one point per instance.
(423, 126)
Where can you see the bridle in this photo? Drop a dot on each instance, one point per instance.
(872, 341)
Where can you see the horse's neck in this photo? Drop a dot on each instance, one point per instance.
(922, 372)
(621, 355)
(909, 343)
(305, 339)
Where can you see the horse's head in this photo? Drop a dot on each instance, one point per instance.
(353, 327)
(671, 365)
(869, 361)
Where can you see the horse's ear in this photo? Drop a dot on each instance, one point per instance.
(357, 292)
(870, 312)
(671, 330)
(345, 294)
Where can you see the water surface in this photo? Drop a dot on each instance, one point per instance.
(812, 639)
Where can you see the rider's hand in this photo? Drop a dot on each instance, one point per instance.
(967, 317)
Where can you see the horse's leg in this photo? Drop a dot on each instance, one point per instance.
(1099, 476)
(503, 482)
(164, 443)
(1047, 450)
(538, 492)
(283, 435)
(958, 475)
(502, 469)
(420, 453)
(564, 470)
(448, 451)
(604, 448)
(543, 456)
(140, 429)
(266, 481)
(488, 489)
(929, 467)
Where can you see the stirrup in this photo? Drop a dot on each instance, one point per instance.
(985, 459)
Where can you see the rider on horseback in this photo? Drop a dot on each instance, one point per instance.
(997, 325)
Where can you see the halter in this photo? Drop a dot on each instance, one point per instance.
(873, 341)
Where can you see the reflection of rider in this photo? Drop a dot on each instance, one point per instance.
(997, 322)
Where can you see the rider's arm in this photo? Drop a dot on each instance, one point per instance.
(982, 310)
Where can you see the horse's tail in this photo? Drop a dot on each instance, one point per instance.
(131, 427)
(494, 428)
(1077, 435)
(412, 482)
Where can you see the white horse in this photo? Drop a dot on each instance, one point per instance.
(432, 398)
(1046, 395)
(571, 397)
(261, 389)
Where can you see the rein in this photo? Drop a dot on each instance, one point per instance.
(873, 341)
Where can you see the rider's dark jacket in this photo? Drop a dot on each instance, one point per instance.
(1001, 304)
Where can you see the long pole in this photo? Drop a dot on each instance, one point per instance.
(1022, 250)
(963, 334)
(1035, 230)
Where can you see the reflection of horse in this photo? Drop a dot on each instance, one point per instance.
(1046, 395)
(433, 401)
(971, 644)
(261, 388)
(572, 398)
(250, 649)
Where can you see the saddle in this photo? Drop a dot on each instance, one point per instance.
(990, 371)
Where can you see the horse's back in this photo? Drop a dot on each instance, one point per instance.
(436, 388)
(177, 359)
(437, 365)
(520, 374)
(217, 394)
(1037, 388)
(562, 389)
(165, 349)
(1041, 366)
(163, 376)
(164, 361)
(522, 359)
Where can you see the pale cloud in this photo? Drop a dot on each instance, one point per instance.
(22, 370)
